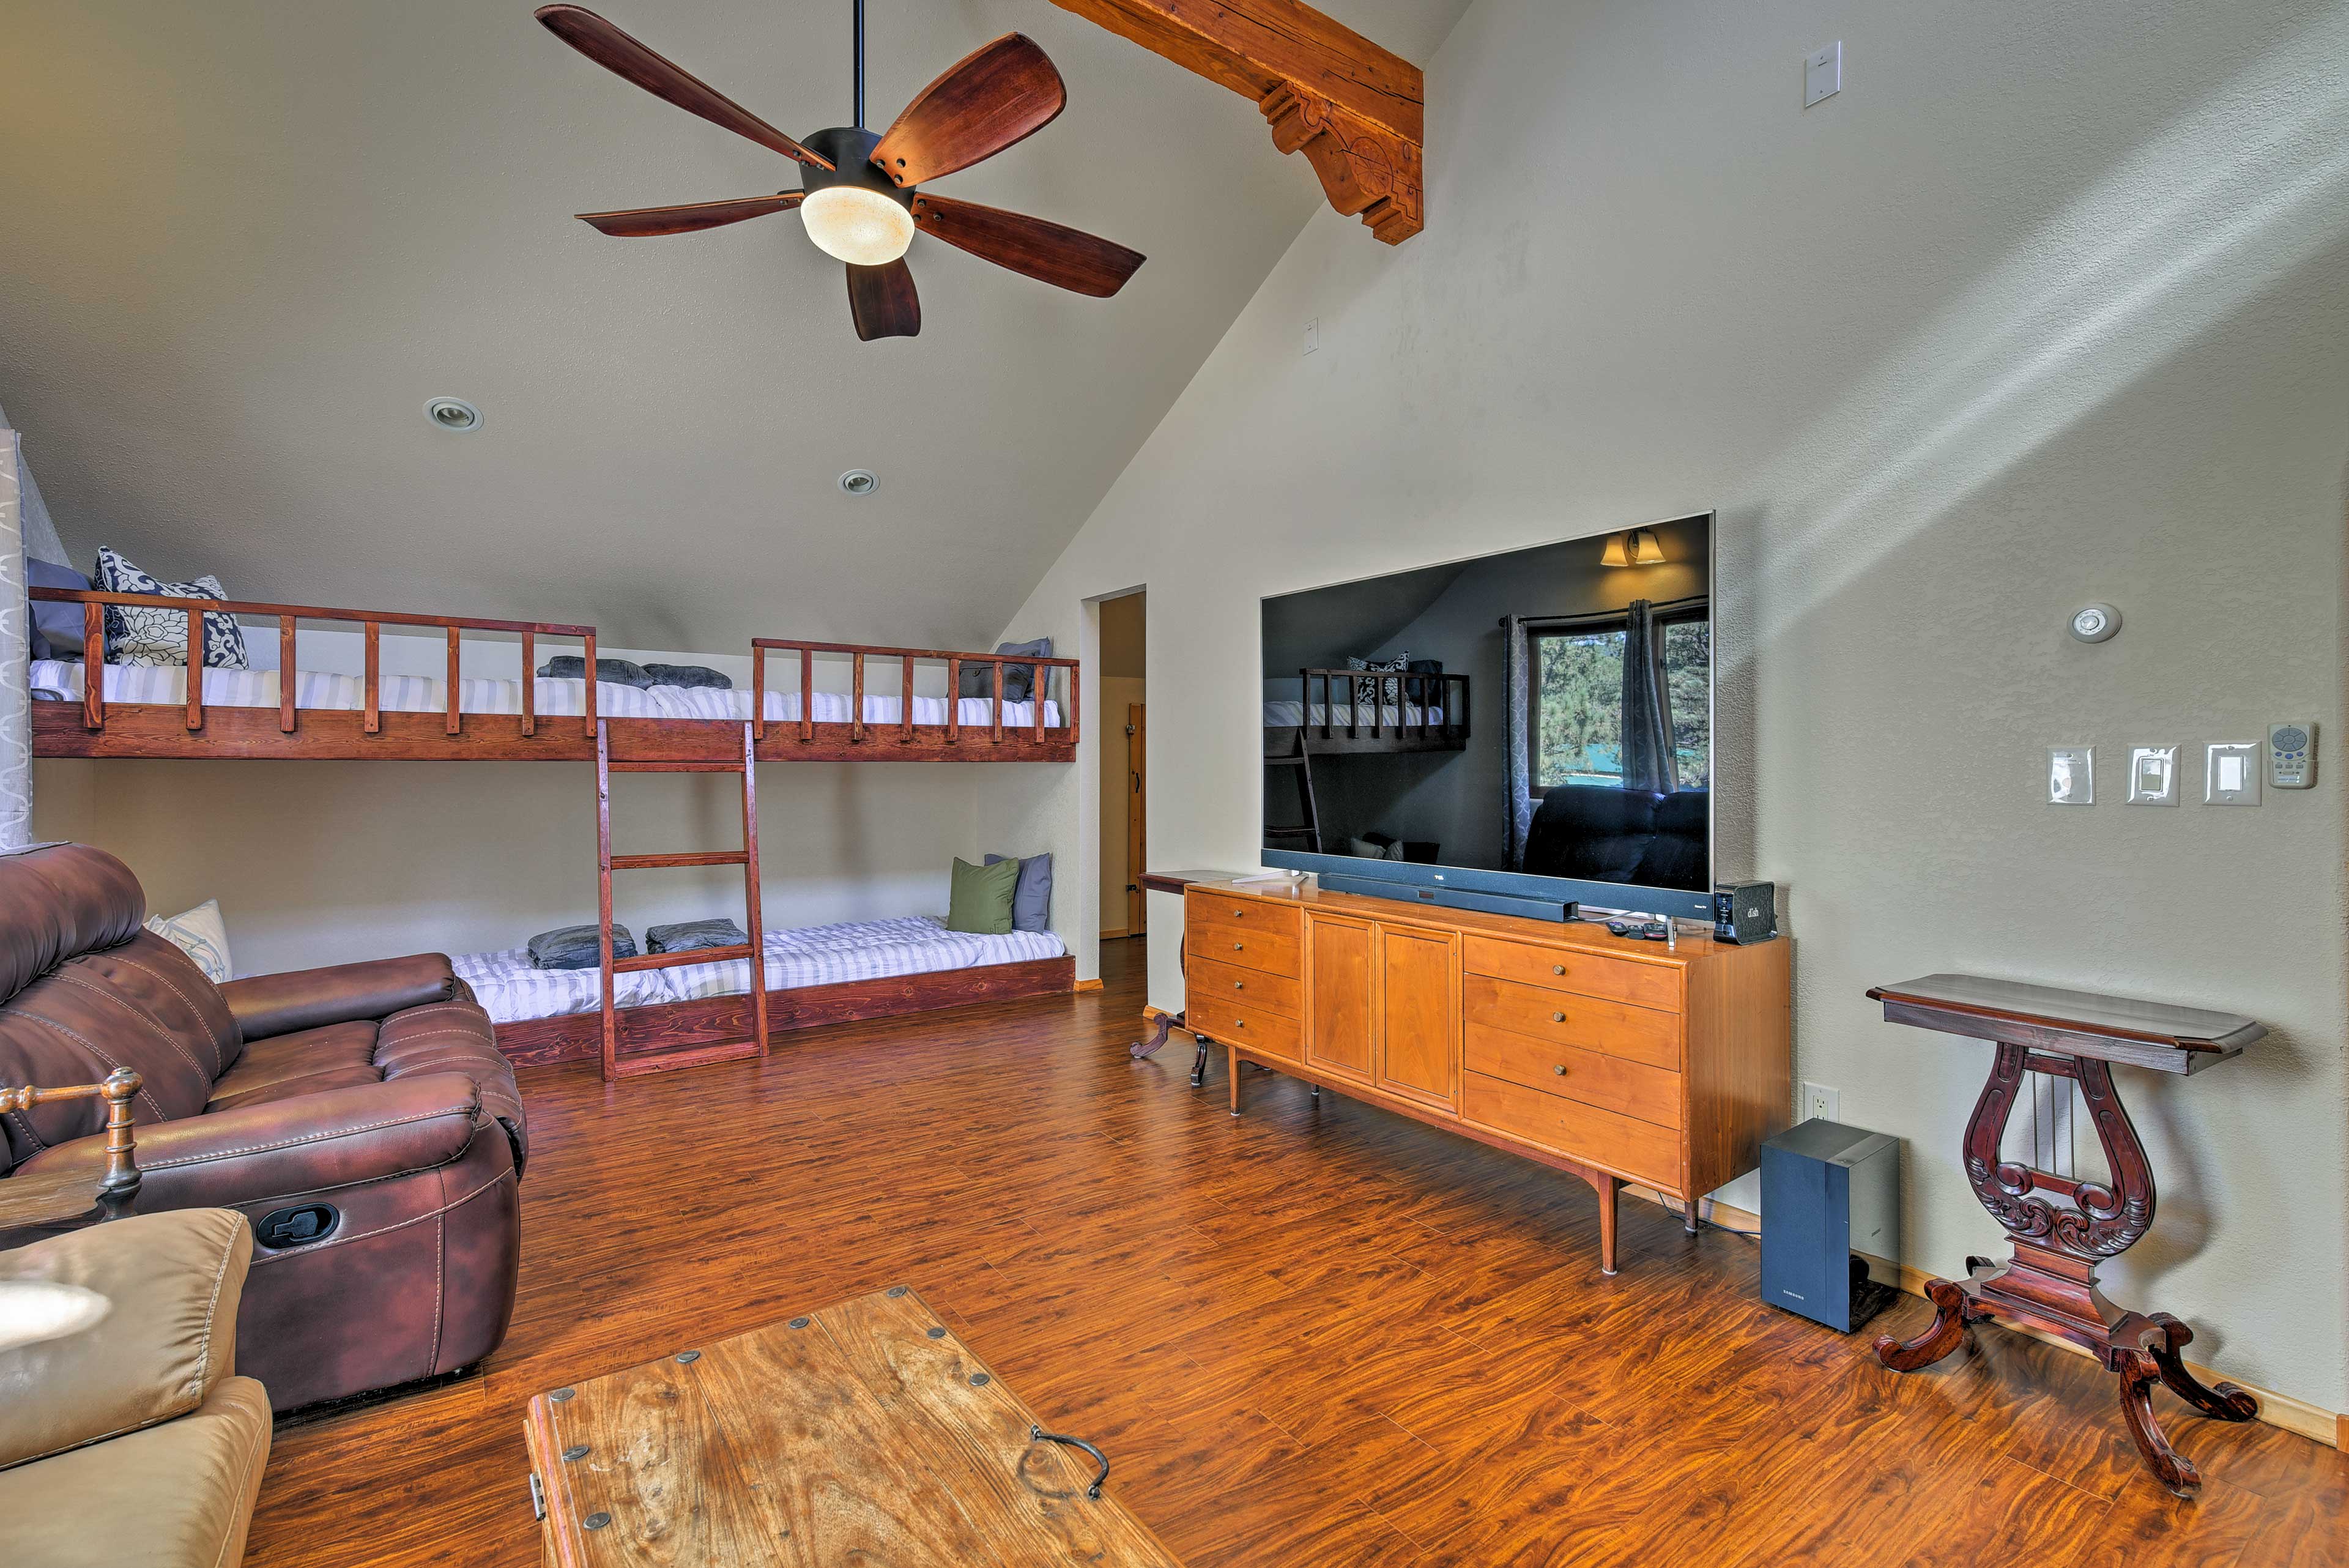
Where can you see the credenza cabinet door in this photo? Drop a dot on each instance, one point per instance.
(1419, 1016)
(1340, 1036)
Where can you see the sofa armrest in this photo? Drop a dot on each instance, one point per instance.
(336, 1137)
(171, 1283)
(267, 1004)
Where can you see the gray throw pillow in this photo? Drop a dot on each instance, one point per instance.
(573, 666)
(57, 629)
(979, 680)
(687, 674)
(578, 947)
(690, 935)
(1031, 900)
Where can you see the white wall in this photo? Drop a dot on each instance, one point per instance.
(2047, 306)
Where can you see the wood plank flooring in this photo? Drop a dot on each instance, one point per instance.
(1316, 1335)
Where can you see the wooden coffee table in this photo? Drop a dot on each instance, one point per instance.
(864, 1433)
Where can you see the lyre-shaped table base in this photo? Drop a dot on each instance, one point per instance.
(2050, 1282)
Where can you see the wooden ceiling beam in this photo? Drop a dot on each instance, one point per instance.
(1356, 112)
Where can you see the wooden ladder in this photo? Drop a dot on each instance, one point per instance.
(1302, 760)
(616, 1065)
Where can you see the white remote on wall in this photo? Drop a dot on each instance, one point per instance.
(2291, 754)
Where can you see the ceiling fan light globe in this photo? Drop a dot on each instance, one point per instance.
(860, 227)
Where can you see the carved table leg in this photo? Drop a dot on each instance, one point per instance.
(1946, 1331)
(2225, 1402)
(2139, 1372)
(1167, 1022)
(1199, 1063)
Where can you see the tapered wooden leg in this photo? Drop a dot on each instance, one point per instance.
(1946, 1333)
(1142, 1048)
(1232, 1070)
(1691, 1221)
(2139, 1372)
(1608, 1188)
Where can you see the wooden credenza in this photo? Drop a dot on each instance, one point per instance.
(1610, 1058)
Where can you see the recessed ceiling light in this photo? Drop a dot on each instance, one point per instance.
(859, 482)
(452, 414)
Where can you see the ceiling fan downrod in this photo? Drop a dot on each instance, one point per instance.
(859, 64)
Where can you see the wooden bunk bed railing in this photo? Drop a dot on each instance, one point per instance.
(288, 617)
(906, 659)
(1446, 694)
(371, 733)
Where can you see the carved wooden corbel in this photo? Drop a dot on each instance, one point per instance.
(1354, 110)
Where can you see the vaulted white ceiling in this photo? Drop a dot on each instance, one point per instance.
(244, 240)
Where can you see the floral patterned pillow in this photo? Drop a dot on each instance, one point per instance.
(202, 935)
(137, 635)
(1366, 692)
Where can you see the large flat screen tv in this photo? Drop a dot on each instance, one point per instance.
(1521, 733)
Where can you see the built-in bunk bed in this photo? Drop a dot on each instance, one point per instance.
(653, 1011)
(1355, 711)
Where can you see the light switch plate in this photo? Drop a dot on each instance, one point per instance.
(2233, 775)
(2153, 775)
(1822, 73)
(2071, 776)
(1313, 335)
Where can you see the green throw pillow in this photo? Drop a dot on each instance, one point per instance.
(981, 901)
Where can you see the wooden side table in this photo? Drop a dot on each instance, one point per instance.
(1175, 882)
(35, 1203)
(2050, 1282)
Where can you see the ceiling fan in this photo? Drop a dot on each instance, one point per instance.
(858, 194)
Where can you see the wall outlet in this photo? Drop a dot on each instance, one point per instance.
(1821, 1102)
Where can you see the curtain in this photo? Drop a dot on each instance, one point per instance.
(1647, 752)
(16, 648)
(1518, 782)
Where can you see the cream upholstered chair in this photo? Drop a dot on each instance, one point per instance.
(125, 1437)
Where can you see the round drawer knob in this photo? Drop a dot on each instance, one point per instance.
(1558, 1018)
(1240, 1023)
(1557, 969)
(1239, 985)
(1559, 1069)
(1240, 914)
(1236, 947)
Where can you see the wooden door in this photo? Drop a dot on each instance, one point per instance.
(1340, 1035)
(1137, 902)
(1418, 1016)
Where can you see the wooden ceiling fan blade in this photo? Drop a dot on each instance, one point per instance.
(1049, 252)
(623, 56)
(694, 215)
(996, 96)
(883, 301)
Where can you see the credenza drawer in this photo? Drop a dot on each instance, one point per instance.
(1562, 969)
(1242, 988)
(1610, 1082)
(1241, 915)
(1592, 1023)
(1622, 1144)
(1274, 1034)
(1274, 952)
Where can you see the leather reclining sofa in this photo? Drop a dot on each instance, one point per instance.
(359, 1116)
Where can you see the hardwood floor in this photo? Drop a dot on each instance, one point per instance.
(1204, 1298)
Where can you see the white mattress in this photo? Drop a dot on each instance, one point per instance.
(167, 684)
(1283, 715)
(512, 990)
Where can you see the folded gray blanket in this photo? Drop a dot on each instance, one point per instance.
(686, 936)
(626, 673)
(578, 947)
(689, 675)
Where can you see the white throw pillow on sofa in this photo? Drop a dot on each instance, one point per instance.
(202, 935)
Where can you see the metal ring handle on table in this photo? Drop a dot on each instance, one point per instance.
(1038, 1435)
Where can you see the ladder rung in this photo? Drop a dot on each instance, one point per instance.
(1284, 762)
(686, 1056)
(674, 767)
(655, 862)
(679, 961)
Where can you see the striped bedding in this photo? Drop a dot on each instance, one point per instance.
(167, 684)
(512, 990)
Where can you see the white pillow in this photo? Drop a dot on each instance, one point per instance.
(202, 935)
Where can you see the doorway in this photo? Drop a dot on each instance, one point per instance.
(1123, 739)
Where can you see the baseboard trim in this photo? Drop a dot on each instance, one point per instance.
(1115, 936)
(1094, 984)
